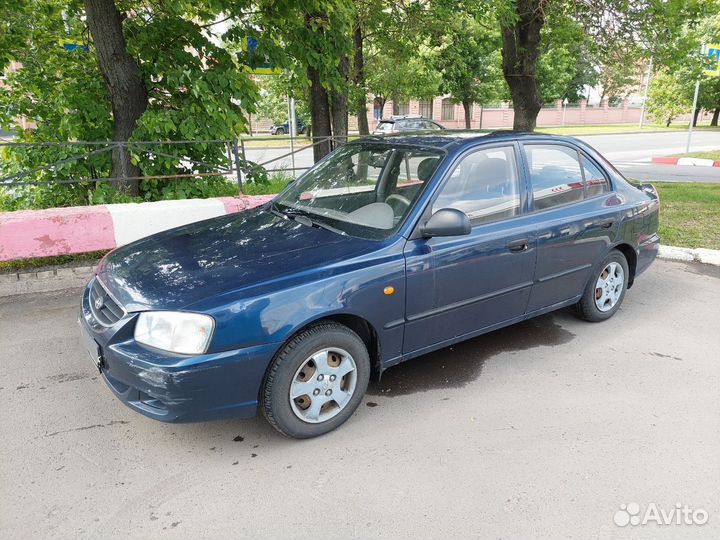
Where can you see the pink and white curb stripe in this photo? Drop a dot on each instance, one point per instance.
(64, 231)
(695, 162)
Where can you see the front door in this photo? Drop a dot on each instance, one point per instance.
(459, 285)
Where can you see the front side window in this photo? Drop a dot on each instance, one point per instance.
(362, 189)
(484, 185)
(555, 174)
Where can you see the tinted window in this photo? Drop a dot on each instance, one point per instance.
(555, 174)
(484, 185)
(595, 180)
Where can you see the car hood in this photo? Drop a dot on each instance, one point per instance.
(177, 268)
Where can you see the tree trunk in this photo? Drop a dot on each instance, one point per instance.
(467, 106)
(128, 95)
(339, 106)
(359, 80)
(716, 114)
(520, 52)
(319, 115)
(695, 116)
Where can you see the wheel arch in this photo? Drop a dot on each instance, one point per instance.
(361, 326)
(631, 257)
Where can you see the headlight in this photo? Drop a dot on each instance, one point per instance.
(175, 331)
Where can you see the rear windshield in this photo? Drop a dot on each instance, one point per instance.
(385, 126)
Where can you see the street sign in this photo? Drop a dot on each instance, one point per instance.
(263, 67)
(712, 55)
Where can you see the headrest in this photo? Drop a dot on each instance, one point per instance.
(426, 168)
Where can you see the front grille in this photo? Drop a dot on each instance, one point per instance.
(103, 307)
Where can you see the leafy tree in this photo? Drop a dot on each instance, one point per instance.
(313, 40)
(195, 89)
(669, 96)
(391, 55)
(274, 91)
(388, 77)
(565, 65)
(468, 59)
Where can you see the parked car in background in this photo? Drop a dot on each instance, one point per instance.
(284, 129)
(386, 250)
(398, 124)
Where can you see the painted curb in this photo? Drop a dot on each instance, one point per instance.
(701, 255)
(64, 231)
(694, 162)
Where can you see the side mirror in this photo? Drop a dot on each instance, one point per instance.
(447, 222)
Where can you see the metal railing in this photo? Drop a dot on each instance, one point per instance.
(241, 158)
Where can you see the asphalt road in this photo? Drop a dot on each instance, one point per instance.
(629, 152)
(540, 430)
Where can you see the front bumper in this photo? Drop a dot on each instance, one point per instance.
(173, 388)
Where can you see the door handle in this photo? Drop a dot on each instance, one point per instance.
(606, 223)
(518, 245)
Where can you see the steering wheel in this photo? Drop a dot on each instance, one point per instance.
(397, 197)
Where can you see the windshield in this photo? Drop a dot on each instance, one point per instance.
(362, 189)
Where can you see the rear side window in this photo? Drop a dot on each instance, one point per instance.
(385, 126)
(595, 181)
(556, 176)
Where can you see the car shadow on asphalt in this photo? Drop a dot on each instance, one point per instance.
(459, 364)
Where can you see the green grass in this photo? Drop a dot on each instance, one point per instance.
(613, 128)
(708, 154)
(689, 214)
(272, 187)
(51, 262)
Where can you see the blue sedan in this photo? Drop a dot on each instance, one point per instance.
(386, 250)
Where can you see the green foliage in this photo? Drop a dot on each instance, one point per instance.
(566, 62)
(274, 90)
(467, 55)
(275, 184)
(198, 91)
(669, 96)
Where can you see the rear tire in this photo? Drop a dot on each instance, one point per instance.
(279, 131)
(316, 381)
(605, 291)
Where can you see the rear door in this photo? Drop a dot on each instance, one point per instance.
(461, 284)
(576, 215)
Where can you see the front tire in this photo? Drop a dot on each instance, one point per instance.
(605, 291)
(316, 381)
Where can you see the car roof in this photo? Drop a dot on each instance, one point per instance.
(407, 117)
(454, 139)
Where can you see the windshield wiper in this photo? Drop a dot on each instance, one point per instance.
(303, 217)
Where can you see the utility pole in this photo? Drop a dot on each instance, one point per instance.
(692, 115)
(645, 92)
(292, 122)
